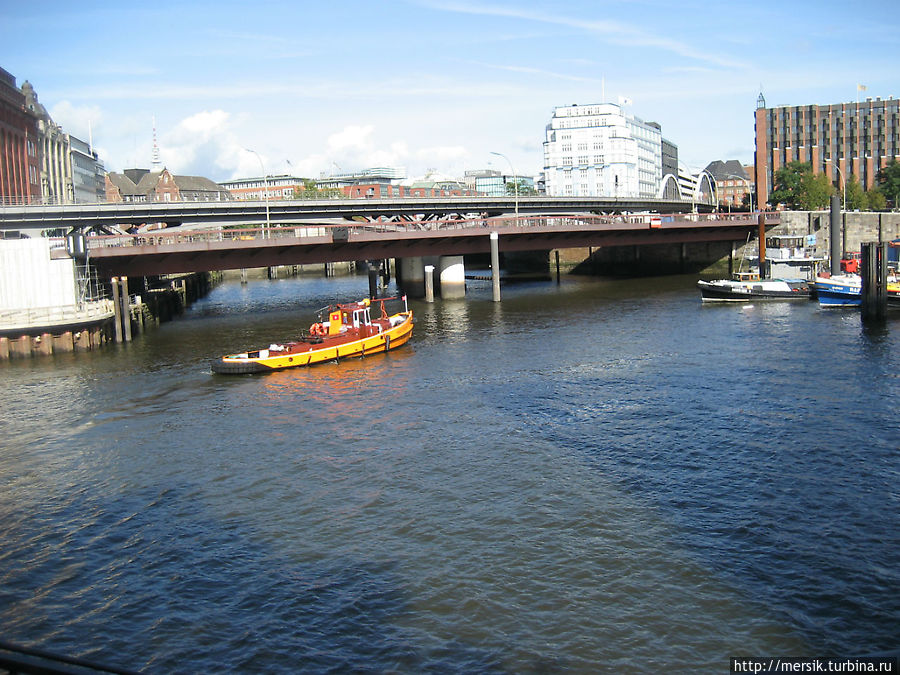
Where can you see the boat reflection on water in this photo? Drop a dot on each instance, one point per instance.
(347, 390)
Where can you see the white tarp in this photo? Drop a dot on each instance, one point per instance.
(29, 279)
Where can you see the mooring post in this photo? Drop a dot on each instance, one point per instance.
(557, 267)
(117, 308)
(373, 279)
(126, 309)
(874, 281)
(495, 266)
(429, 283)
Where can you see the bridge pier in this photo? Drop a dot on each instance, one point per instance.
(411, 275)
(452, 276)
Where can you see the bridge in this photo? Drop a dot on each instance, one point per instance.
(102, 216)
(147, 239)
(179, 250)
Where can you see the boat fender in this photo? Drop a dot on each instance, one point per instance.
(387, 343)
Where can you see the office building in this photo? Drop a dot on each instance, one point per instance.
(842, 140)
(598, 150)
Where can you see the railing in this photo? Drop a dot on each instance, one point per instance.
(280, 232)
(36, 317)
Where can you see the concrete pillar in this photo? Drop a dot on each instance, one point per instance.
(4, 348)
(412, 272)
(495, 266)
(429, 283)
(453, 276)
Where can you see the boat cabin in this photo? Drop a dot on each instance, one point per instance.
(746, 276)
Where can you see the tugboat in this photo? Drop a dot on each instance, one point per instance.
(793, 263)
(350, 331)
(748, 286)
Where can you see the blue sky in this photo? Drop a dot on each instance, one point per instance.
(429, 84)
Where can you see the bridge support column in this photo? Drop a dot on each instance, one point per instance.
(412, 276)
(453, 276)
(429, 283)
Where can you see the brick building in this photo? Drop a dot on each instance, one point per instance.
(143, 185)
(20, 161)
(843, 140)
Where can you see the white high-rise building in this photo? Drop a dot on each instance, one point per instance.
(597, 150)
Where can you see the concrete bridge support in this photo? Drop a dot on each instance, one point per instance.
(411, 275)
(453, 276)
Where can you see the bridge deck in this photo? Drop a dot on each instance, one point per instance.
(198, 250)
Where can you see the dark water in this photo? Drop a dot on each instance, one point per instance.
(589, 477)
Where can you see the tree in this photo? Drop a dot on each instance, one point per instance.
(889, 182)
(788, 184)
(524, 189)
(855, 195)
(817, 191)
(876, 200)
(797, 187)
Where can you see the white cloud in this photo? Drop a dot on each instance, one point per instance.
(353, 136)
(206, 143)
(80, 121)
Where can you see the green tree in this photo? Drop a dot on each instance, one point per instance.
(876, 200)
(797, 187)
(889, 182)
(855, 195)
(524, 189)
(789, 184)
(816, 192)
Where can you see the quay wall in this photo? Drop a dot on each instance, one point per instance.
(714, 257)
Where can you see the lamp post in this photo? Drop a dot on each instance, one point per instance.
(266, 188)
(515, 179)
(843, 187)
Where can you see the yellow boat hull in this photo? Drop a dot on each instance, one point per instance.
(330, 349)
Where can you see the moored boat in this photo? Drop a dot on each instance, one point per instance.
(747, 286)
(350, 331)
(839, 290)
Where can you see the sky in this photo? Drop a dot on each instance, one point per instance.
(239, 89)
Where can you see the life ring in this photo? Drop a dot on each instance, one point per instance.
(317, 329)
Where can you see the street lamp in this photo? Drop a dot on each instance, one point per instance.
(515, 179)
(266, 188)
(843, 186)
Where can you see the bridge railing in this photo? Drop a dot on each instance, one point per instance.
(186, 235)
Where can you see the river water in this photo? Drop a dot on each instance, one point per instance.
(595, 476)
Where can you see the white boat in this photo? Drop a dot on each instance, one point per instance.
(747, 286)
(839, 290)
